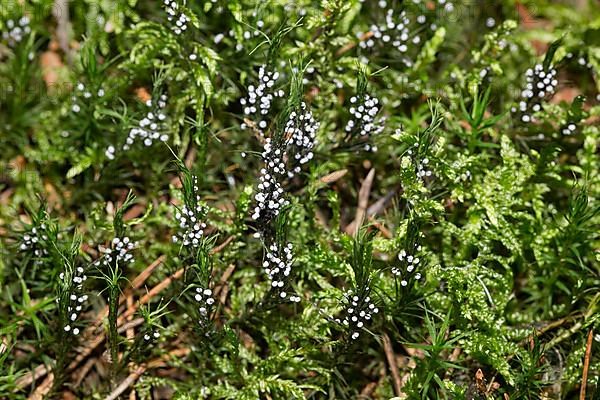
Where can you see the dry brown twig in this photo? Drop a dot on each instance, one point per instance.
(220, 247)
(393, 366)
(351, 45)
(41, 391)
(368, 390)
(224, 278)
(384, 231)
(139, 370)
(130, 380)
(29, 378)
(586, 364)
(129, 331)
(163, 285)
(363, 203)
(130, 325)
(80, 373)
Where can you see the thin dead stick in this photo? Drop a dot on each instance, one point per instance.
(351, 45)
(145, 274)
(556, 324)
(391, 359)
(224, 278)
(368, 390)
(566, 334)
(584, 323)
(140, 280)
(190, 157)
(82, 372)
(162, 360)
(30, 377)
(586, 364)
(134, 212)
(130, 325)
(145, 299)
(363, 203)
(130, 380)
(41, 391)
(375, 209)
(220, 247)
(380, 204)
(364, 194)
(129, 331)
(224, 293)
(82, 355)
(384, 231)
(223, 288)
(134, 376)
(453, 358)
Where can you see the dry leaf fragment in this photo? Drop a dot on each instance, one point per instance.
(334, 176)
(142, 94)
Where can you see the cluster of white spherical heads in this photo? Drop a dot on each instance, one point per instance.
(422, 170)
(301, 131)
(364, 122)
(17, 31)
(282, 158)
(278, 266)
(76, 299)
(395, 31)
(246, 35)
(422, 165)
(189, 220)
(178, 18)
(408, 264)
(569, 129)
(81, 91)
(191, 228)
(270, 197)
(205, 302)
(541, 83)
(32, 241)
(357, 313)
(150, 128)
(118, 253)
(260, 98)
(151, 335)
(399, 30)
